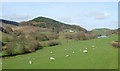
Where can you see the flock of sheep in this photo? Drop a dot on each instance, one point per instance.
(52, 58)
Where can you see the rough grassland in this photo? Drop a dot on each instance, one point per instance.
(102, 56)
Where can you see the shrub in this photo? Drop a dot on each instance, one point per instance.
(20, 49)
(1, 43)
(79, 36)
(69, 36)
(26, 50)
(115, 44)
(16, 33)
(8, 30)
(38, 36)
(10, 48)
(53, 43)
(53, 36)
(21, 38)
(41, 37)
(34, 45)
(90, 36)
(6, 39)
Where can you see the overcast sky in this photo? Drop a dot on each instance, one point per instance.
(89, 15)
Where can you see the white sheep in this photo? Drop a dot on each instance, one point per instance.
(67, 55)
(85, 48)
(65, 49)
(85, 51)
(51, 52)
(51, 58)
(30, 62)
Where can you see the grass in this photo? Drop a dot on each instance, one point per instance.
(102, 56)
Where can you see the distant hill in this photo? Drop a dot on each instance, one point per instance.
(8, 22)
(50, 23)
(103, 31)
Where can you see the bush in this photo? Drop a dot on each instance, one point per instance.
(8, 30)
(21, 38)
(79, 36)
(38, 36)
(53, 43)
(53, 36)
(69, 36)
(41, 37)
(90, 36)
(34, 45)
(6, 39)
(16, 33)
(20, 49)
(26, 50)
(10, 48)
(115, 44)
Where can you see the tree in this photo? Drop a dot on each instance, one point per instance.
(41, 37)
(17, 33)
(8, 30)
(53, 36)
(10, 48)
(20, 49)
(34, 45)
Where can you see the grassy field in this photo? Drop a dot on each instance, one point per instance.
(101, 56)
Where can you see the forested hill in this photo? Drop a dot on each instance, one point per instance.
(9, 22)
(50, 23)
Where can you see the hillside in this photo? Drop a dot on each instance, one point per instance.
(50, 23)
(7, 22)
(102, 31)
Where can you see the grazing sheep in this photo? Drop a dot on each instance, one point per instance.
(51, 58)
(67, 55)
(30, 62)
(65, 49)
(85, 51)
(1, 63)
(51, 52)
(85, 48)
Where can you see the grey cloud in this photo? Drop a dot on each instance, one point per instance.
(98, 15)
(18, 17)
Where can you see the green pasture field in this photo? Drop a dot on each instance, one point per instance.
(101, 55)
